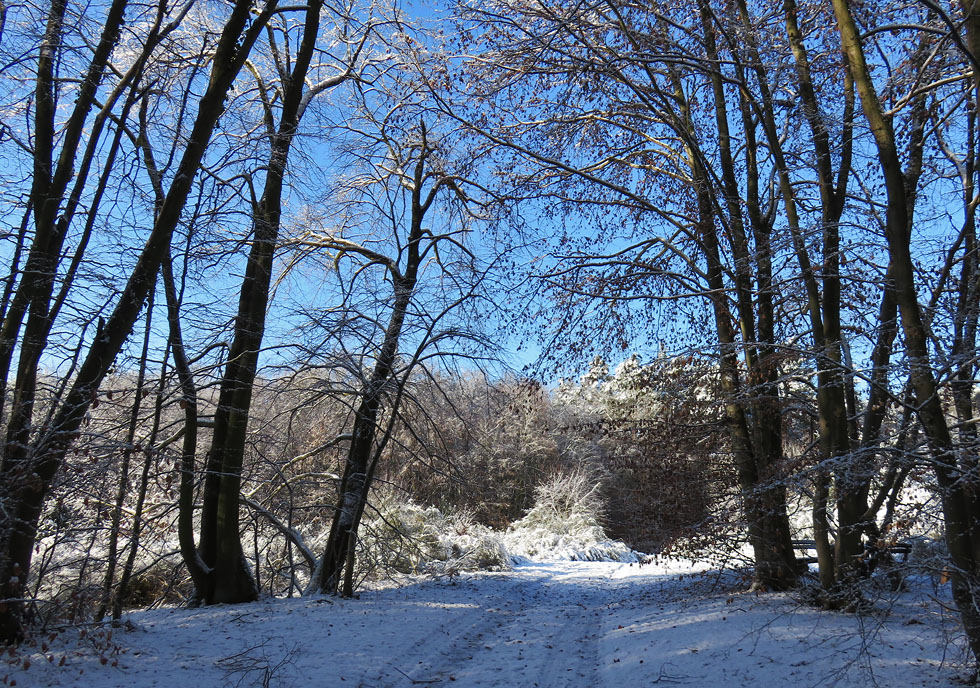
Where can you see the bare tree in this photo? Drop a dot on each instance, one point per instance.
(283, 104)
(400, 234)
(951, 463)
(713, 152)
(622, 138)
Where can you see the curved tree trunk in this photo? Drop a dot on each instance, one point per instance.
(358, 471)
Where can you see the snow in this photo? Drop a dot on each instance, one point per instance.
(544, 624)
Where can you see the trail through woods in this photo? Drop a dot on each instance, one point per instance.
(545, 625)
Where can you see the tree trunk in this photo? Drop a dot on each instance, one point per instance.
(358, 471)
(127, 455)
(355, 482)
(962, 534)
(230, 579)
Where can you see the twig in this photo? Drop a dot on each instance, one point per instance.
(667, 678)
(416, 681)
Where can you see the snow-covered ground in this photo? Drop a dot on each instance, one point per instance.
(543, 624)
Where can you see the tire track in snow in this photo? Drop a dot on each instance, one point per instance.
(448, 646)
(540, 630)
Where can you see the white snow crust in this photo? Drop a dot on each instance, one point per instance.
(559, 623)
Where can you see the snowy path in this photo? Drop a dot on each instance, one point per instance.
(541, 630)
(556, 625)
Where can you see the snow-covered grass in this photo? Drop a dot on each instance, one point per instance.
(576, 624)
(564, 525)
(405, 537)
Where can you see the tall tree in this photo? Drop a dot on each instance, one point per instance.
(622, 132)
(949, 462)
(415, 165)
(283, 105)
(394, 237)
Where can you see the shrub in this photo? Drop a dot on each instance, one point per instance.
(565, 523)
(404, 537)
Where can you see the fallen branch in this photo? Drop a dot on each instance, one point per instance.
(290, 534)
(416, 681)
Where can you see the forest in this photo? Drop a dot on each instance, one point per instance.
(296, 297)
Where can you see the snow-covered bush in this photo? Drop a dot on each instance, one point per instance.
(565, 523)
(405, 537)
(655, 429)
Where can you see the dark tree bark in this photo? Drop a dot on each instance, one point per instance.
(220, 546)
(961, 520)
(758, 445)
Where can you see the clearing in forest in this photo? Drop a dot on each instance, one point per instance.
(581, 624)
